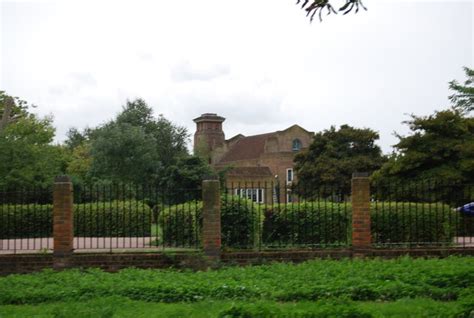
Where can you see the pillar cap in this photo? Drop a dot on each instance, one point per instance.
(360, 175)
(62, 179)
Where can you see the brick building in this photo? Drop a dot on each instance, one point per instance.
(253, 162)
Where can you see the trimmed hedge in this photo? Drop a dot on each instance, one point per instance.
(417, 223)
(100, 219)
(181, 224)
(241, 223)
(326, 223)
(246, 224)
(307, 223)
(26, 221)
(113, 219)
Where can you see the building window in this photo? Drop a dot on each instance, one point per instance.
(296, 145)
(289, 175)
(256, 195)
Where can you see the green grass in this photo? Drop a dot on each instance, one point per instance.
(402, 287)
(123, 307)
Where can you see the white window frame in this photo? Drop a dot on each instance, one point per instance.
(256, 195)
(290, 180)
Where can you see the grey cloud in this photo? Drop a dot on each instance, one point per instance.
(74, 83)
(83, 79)
(184, 71)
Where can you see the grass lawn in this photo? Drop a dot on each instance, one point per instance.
(403, 287)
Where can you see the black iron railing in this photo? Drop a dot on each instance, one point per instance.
(424, 214)
(26, 220)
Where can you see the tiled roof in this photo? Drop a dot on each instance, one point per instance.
(247, 148)
(249, 172)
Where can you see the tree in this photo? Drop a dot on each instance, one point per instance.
(438, 153)
(314, 7)
(136, 147)
(12, 109)
(332, 158)
(182, 180)
(27, 156)
(463, 97)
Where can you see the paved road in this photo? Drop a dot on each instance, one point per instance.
(81, 244)
(115, 244)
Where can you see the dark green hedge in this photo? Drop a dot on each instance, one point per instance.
(113, 219)
(241, 222)
(101, 219)
(325, 223)
(25, 221)
(180, 224)
(307, 223)
(415, 223)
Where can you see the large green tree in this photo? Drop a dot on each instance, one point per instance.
(439, 153)
(182, 180)
(135, 147)
(28, 157)
(332, 158)
(463, 95)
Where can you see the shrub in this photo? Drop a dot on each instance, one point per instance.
(112, 219)
(306, 223)
(100, 219)
(25, 220)
(418, 223)
(181, 224)
(241, 222)
(327, 223)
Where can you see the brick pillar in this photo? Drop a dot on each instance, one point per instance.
(361, 236)
(62, 221)
(211, 222)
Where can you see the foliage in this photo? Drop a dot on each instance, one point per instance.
(80, 163)
(26, 220)
(333, 156)
(183, 179)
(340, 308)
(413, 223)
(111, 219)
(241, 221)
(181, 224)
(136, 147)
(324, 223)
(11, 109)
(75, 138)
(463, 96)
(448, 279)
(312, 7)
(307, 223)
(124, 307)
(441, 147)
(27, 156)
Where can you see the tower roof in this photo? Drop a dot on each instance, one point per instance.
(209, 117)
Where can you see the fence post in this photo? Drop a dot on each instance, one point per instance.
(63, 222)
(361, 236)
(211, 219)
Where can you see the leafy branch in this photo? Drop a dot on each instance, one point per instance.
(317, 7)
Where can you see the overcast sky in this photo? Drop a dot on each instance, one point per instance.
(259, 63)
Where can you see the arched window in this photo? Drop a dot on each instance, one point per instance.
(296, 145)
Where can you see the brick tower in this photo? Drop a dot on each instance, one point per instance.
(208, 136)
